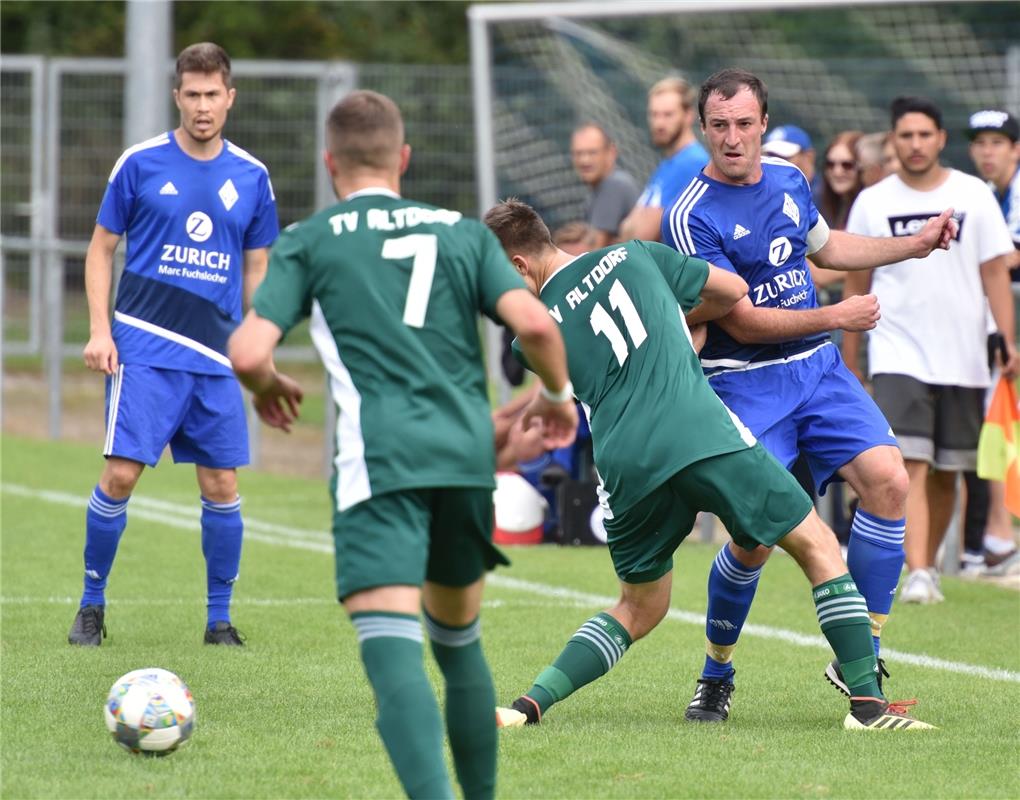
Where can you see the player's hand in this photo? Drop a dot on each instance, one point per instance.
(857, 313)
(1010, 365)
(558, 421)
(101, 353)
(278, 405)
(937, 233)
(699, 335)
(527, 443)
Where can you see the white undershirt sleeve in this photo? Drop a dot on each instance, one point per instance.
(817, 236)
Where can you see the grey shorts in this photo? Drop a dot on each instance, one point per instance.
(937, 424)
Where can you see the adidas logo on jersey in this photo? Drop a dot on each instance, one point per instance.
(740, 231)
(168, 188)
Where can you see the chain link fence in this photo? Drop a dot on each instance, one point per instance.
(60, 135)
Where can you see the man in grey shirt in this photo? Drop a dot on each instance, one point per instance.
(614, 192)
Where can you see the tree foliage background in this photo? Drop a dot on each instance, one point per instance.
(367, 32)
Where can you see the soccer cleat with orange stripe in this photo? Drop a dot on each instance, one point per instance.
(523, 711)
(874, 714)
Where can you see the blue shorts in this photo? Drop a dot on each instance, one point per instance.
(812, 405)
(201, 417)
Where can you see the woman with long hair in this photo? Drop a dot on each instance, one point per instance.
(841, 179)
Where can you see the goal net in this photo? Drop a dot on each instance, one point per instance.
(541, 68)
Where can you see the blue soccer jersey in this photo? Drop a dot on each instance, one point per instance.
(761, 232)
(188, 223)
(672, 175)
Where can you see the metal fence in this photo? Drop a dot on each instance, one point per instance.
(61, 132)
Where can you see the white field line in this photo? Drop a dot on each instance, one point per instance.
(186, 518)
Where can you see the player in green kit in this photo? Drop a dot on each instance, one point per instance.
(665, 448)
(394, 289)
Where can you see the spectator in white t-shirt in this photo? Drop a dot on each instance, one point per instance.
(927, 355)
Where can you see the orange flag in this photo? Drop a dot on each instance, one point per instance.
(998, 447)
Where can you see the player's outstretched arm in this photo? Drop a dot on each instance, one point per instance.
(100, 352)
(721, 292)
(849, 251)
(277, 397)
(540, 340)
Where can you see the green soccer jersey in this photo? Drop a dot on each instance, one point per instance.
(651, 411)
(394, 289)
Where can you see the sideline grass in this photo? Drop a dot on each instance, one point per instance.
(290, 716)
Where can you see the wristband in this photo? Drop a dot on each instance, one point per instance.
(562, 396)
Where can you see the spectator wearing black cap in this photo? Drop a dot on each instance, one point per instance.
(990, 548)
(995, 150)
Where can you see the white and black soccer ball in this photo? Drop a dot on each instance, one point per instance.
(150, 711)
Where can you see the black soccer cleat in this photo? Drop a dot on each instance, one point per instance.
(523, 711)
(88, 628)
(711, 701)
(224, 633)
(834, 675)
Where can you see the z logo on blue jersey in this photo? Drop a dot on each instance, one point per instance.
(779, 251)
(199, 226)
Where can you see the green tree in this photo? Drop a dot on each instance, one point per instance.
(366, 32)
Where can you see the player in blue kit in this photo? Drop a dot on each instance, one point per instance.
(773, 364)
(199, 214)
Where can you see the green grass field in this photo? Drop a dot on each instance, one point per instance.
(290, 715)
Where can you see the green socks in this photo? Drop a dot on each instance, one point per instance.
(408, 716)
(843, 616)
(470, 704)
(590, 654)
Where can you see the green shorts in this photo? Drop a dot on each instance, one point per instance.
(757, 500)
(404, 538)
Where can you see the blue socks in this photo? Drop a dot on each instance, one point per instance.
(222, 532)
(105, 521)
(731, 588)
(875, 557)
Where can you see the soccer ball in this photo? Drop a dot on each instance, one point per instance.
(150, 711)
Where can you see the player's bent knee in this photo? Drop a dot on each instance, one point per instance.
(815, 548)
(120, 475)
(640, 613)
(752, 559)
(218, 485)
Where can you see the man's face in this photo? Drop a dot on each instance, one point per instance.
(203, 101)
(593, 155)
(733, 129)
(995, 155)
(668, 120)
(918, 142)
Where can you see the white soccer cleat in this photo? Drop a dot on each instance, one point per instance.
(872, 714)
(510, 718)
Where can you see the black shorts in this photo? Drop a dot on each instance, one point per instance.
(933, 423)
